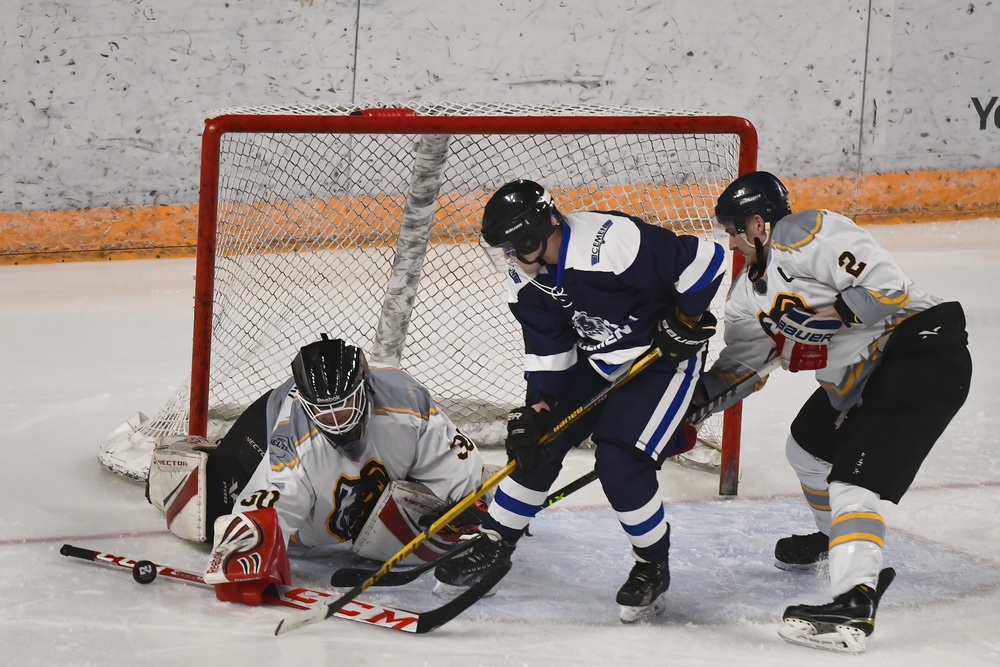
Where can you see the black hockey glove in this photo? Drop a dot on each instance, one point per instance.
(678, 340)
(525, 427)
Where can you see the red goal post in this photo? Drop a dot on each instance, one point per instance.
(362, 221)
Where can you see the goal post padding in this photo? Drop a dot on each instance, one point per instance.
(362, 221)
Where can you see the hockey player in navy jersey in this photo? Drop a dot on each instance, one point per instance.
(592, 292)
(893, 367)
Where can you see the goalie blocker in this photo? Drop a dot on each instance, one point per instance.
(180, 476)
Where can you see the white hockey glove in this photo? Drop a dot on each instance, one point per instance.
(248, 556)
(802, 338)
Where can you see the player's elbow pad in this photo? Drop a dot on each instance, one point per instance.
(845, 312)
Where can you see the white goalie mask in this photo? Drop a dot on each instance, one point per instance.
(330, 377)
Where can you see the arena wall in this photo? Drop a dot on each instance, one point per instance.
(886, 110)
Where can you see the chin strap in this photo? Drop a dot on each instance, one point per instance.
(758, 269)
(538, 260)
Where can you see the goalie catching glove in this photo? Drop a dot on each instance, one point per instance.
(678, 340)
(248, 556)
(802, 338)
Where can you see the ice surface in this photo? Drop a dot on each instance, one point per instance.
(86, 345)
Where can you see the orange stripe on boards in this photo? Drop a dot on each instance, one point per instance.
(138, 232)
(171, 231)
(903, 197)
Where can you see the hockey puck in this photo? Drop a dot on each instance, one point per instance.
(144, 572)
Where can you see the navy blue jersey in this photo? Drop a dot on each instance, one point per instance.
(616, 278)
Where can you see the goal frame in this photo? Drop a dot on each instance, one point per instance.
(406, 121)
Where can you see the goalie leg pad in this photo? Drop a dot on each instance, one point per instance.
(177, 484)
(396, 520)
(249, 555)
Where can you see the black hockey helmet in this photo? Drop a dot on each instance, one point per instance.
(330, 378)
(518, 217)
(757, 193)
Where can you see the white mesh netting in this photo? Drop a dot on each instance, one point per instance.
(308, 232)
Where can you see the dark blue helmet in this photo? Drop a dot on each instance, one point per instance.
(519, 217)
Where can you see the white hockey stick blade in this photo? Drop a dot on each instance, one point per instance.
(355, 610)
(843, 639)
(296, 621)
(450, 592)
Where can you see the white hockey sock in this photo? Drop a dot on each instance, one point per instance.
(812, 473)
(856, 538)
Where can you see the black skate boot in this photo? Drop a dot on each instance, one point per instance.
(488, 553)
(801, 552)
(641, 596)
(841, 625)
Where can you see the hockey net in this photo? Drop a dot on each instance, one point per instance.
(362, 221)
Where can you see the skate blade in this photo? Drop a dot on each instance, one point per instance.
(839, 639)
(643, 613)
(801, 567)
(450, 591)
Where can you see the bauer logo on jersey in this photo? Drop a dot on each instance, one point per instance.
(595, 249)
(796, 331)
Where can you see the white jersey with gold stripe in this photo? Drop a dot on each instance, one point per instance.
(323, 494)
(816, 256)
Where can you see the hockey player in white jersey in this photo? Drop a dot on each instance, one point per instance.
(339, 454)
(893, 367)
(593, 291)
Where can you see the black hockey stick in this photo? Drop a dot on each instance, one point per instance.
(352, 576)
(701, 412)
(312, 616)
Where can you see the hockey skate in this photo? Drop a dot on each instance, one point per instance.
(841, 625)
(641, 596)
(801, 552)
(488, 553)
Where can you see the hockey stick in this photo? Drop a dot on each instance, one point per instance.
(352, 576)
(305, 598)
(312, 616)
(698, 414)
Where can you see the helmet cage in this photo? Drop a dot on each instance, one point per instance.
(342, 418)
(330, 380)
